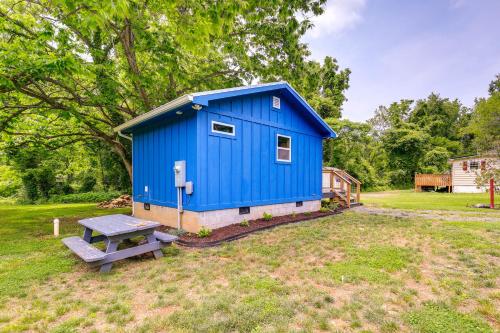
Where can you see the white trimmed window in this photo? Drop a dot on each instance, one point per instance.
(222, 128)
(473, 165)
(283, 148)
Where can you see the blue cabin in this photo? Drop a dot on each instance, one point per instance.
(218, 157)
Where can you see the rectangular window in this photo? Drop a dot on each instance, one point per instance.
(283, 148)
(474, 165)
(222, 128)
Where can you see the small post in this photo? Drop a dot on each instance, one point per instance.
(56, 227)
(492, 193)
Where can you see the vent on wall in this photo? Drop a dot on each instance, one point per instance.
(244, 210)
(276, 102)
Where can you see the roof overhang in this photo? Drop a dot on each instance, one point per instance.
(176, 103)
(203, 99)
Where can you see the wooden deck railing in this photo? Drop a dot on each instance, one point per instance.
(337, 182)
(437, 180)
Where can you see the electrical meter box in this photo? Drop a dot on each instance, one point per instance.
(180, 173)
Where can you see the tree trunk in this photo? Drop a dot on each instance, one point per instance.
(121, 151)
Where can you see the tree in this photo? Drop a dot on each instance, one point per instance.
(391, 117)
(494, 86)
(485, 125)
(437, 116)
(324, 86)
(356, 151)
(71, 71)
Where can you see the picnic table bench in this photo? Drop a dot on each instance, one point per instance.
(113, 229)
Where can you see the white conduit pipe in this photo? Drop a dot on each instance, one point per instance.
(179, 206)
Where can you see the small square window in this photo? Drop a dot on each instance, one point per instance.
(283, 148)
(474, 165)
(299, 204)
(147, 206)
(276, 102)
(222, 128)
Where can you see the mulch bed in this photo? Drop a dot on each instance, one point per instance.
(237, 231)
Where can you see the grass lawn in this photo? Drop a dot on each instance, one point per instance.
(353, 272)
(408, 199)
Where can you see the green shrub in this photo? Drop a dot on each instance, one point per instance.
(267, 217)
(307, 213)
(204, 232)
(244, 223)
(84, 197)
(439, 317)
(324, 210)
(88, 184)
(10, 181)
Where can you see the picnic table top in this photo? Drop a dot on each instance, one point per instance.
(117, 224)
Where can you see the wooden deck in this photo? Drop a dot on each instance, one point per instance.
(340, 186)
(436, 180)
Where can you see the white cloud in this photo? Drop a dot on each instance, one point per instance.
(339, 15)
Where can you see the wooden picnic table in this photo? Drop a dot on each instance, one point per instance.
(114, 229)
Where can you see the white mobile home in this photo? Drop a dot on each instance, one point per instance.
(465, 170)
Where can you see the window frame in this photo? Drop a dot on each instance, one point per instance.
(278, 148)
(476, 165)
(214, 122)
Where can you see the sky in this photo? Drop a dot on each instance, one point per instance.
(406, 49)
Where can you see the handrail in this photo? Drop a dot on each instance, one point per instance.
(346, 182)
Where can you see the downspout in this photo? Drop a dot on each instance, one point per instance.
(129, 137)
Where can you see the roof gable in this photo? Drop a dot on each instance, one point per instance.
(203, 98)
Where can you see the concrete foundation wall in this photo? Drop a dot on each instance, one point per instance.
(193, 221)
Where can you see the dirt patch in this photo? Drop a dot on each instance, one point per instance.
(236, 231)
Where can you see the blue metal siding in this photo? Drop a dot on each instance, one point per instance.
(156, 147)
(242, 170)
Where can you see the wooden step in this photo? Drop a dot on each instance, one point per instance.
(164, 237)
(83, 249)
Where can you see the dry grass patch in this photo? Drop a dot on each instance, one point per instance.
(352, 272)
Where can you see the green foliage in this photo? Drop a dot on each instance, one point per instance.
(418, 137)
(204, 232)
(329, 205)
(10, 183)
(494, 86)
(485, 123)
(267, 216)
(324, 210)
(84, 197)
(441, 318)
(323, 86)
(356, 151)
(70, 73)
(371, 265)
(88, 183)
(244, 223)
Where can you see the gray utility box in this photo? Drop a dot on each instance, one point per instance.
(180, 173)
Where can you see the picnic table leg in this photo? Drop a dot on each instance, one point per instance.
(87, 234)
(157, 253)
(112, 246)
